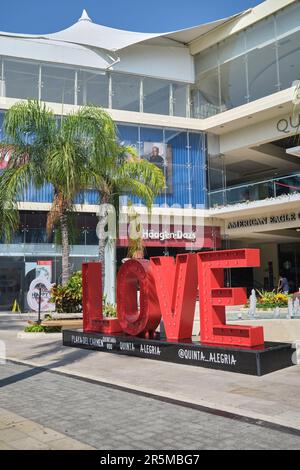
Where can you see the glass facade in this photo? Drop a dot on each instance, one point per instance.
(256, 62)
(255, 191)
(183, 161)
(91, 88)
(70, 85)
(31, 245)
(57, 84)
(181, 156)
(126, 91)
(259, 61)
(20, 79)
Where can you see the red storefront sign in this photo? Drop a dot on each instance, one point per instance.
(176, 237)
(168, 289)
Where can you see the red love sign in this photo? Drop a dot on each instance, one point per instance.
(162, 288)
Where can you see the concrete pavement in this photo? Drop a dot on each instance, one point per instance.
(273, 398)
(19, 433)
(111, 419)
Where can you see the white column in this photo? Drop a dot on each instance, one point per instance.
(110, 272)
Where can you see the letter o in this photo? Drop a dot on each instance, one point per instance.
(134, 276)
(284, 128)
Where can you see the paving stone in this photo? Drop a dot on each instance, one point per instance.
(28, 443)
(111, 419)
(5, 446)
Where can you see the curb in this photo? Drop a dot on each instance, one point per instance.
(23, 335)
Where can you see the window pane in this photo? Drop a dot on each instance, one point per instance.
(288, 19)
(261, 33)
(206, 60)
(205, 97)
(92, 88)
(125, 92)
(233, 83)
(289, 60)
(232, 47)
(58, 85)
(156, 96)
(21, 79)
(179, 99)
(262, 72)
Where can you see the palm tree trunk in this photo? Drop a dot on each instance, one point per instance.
(101, 238)
(101, 247)
(65, 248)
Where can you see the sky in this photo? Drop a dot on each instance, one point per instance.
(38, 16)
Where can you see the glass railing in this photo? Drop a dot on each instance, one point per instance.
(255, 191)
(38, 236)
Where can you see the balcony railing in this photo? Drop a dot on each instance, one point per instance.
(257, 191)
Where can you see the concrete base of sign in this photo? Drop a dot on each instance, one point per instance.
(257, 361)
(282, 330)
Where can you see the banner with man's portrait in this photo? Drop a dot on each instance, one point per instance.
(160, 154)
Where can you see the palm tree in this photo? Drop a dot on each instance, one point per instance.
(118, 172)
(122, 175)
(45, 149)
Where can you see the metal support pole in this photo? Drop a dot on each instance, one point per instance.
(39, 309)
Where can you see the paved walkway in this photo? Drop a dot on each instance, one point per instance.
(19, 433)
(273, 398)
(109, 419)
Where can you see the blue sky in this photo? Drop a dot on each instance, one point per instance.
(37, 16)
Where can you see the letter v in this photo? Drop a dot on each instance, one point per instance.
(176, 286)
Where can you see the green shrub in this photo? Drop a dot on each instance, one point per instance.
(37, 328)
(68, 298)
(109, 310)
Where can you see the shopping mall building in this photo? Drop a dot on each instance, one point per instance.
(213, 103)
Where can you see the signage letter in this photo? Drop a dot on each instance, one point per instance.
(137, 303)
(214, 298)
(176, 286)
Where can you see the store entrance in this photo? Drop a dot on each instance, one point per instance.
(289, 264)
(11, 280)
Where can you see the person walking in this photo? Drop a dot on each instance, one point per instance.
(283, 284)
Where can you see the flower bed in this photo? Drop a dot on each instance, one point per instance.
(272, 299)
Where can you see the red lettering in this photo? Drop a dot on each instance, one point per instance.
(138, 307)
(214, 298)
(93, 320)
(176, 286)
(148, 289)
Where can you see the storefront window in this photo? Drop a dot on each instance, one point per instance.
(11, 276)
